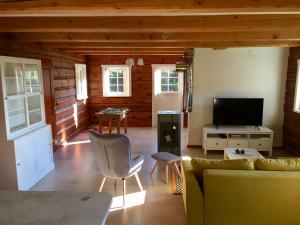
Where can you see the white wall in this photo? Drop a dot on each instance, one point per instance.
(238, 72)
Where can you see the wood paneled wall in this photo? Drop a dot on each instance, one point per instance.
(140, 103)
(66, 115)
(291, 127)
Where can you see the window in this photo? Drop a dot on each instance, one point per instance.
(166, 79)
(81, 81)
(297, 91)
(169, 81)
(116, 81)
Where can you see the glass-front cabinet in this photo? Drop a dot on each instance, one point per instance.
(23, 95)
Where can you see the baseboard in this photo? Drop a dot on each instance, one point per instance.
(194, 146)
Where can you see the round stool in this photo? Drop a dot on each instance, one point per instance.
(167, 159)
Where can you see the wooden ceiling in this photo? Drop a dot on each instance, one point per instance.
(149, 27)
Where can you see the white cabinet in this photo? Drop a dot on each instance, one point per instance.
(26, 153)
(34, 158)
(22, 95)
(237, 137)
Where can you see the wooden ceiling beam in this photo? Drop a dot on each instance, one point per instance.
(136, 50)
(154, 37)
(130, 53)
(159, 24)
(145, 7)
(203, 44)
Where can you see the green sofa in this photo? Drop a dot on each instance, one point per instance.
(241, 197)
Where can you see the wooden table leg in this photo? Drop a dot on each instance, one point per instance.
(109, 125)
(118, 126)
(125, 124)
(100, 125)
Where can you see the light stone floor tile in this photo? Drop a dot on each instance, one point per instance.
(77, 170)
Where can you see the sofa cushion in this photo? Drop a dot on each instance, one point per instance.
(287, 164)
(199, 165)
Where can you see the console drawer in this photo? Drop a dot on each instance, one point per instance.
(216, 144)
(238, 143)
(261, 144)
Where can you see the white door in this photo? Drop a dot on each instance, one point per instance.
(25, 161)
(43, 149)
(167, 90)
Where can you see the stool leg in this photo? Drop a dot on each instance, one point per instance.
(177, 170)
(166, 173)
(155, 165)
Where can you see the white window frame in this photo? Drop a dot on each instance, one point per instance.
(156, 70)
(126, 79)
(81, 81)
(297, 91)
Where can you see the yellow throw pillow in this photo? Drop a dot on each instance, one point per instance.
(287, 164)
(199, 165)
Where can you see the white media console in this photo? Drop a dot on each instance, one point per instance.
(237, 137)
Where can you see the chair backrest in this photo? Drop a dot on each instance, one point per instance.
(113, 154)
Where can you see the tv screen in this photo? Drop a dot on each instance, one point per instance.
(238, 111)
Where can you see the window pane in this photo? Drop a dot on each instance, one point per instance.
(35, 117)
(173, 88)
(173, 81)
(164, 87)
(113, 73)
(13, 74)
(34, 102)
(120, 81)
(164, 80)
(120, 73)
(121, 88)
(175, 75)
(164, 73)
(113, 80)
(31, 78)
(16, 114)
(113, 88)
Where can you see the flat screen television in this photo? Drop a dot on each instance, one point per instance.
(238, 111)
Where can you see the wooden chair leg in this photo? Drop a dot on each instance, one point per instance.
(154, 167)
(138, 181)
(124, 191)
(102, 183)
(166, 173)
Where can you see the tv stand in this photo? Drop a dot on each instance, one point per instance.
(218, 138)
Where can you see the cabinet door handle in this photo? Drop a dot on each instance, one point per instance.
(238, 144)
(259, 144)
(18, 164)
(217, 143)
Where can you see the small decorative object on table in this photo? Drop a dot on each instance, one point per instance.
(111, 115)
(244, 153)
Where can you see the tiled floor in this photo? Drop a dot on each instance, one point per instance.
(77, 170)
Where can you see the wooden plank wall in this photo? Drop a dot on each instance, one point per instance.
(291, 127)
(61, 106)
(140, 103)
(70, 115)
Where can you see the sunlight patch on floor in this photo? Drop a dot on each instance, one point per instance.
(76, 143)
(131, 200)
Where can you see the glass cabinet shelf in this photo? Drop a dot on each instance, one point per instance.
(23, 95)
